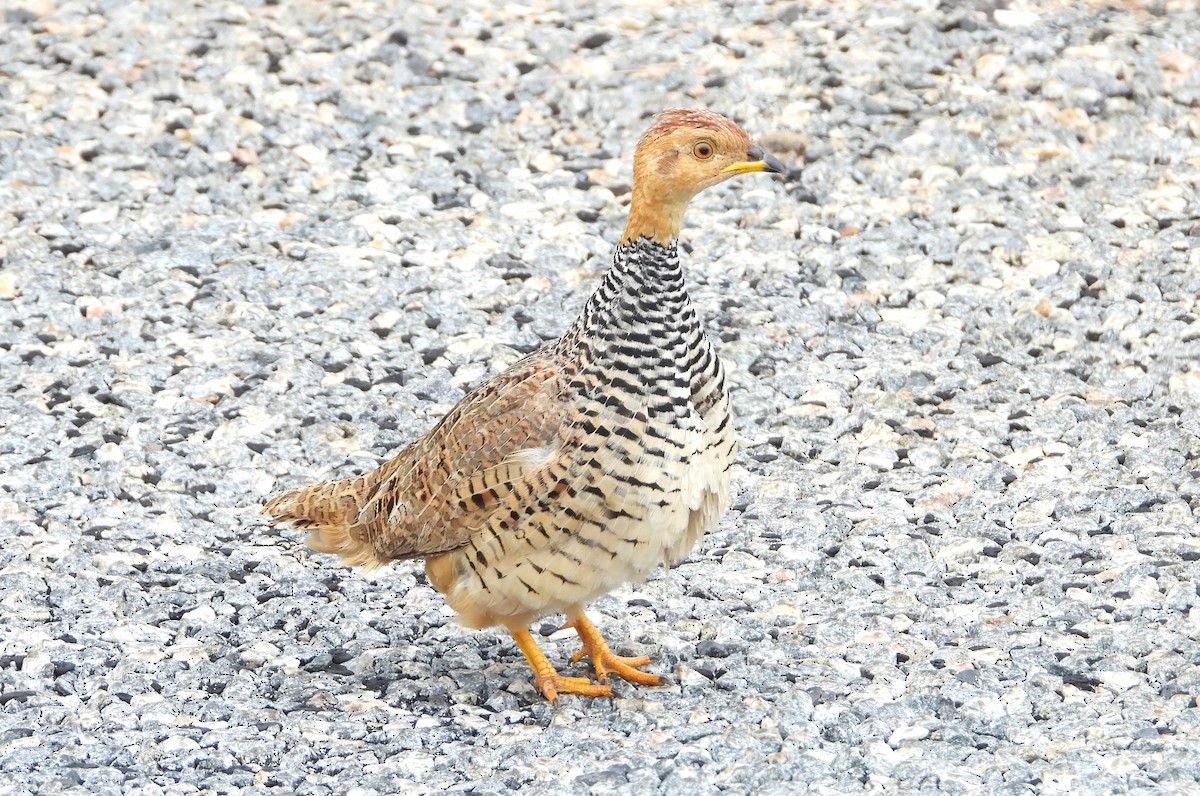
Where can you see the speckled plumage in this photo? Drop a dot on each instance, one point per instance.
(585, 464)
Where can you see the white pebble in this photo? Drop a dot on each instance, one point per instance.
(904, 735)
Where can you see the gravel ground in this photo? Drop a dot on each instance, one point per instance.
(246, 246)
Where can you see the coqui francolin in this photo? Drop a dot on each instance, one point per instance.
(585, 464)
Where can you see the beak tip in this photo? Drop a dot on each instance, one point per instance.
(773, 165)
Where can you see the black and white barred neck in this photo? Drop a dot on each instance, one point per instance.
(640, 330)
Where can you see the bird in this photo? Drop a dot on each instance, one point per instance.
(585, 464)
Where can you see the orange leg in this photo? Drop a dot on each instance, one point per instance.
(604, 661)
(548, 681)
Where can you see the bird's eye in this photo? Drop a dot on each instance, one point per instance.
(703, 150)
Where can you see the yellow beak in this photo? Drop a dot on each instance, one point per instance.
(758, 161)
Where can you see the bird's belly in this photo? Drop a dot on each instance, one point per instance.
(709, 496)
(611, 531)
(539, 573)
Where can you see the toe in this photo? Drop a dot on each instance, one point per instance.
(626, 672)
(624, 668)
(551, 687)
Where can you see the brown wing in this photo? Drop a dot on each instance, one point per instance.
(440, 489)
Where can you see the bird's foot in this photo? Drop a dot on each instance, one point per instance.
(548, 681)
(605, 661)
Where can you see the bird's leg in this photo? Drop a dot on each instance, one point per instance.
(548, 681)
(604, 661)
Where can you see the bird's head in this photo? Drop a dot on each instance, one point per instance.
(684, 152)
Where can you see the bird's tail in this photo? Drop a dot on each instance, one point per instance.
(328, 512)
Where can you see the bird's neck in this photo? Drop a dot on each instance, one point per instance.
(642, 294)
(660, 226)
(656, 216)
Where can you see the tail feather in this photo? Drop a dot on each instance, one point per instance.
(328, 512)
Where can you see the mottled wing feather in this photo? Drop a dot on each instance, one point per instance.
(441, 489)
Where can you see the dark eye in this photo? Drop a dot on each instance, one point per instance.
(703, 150)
